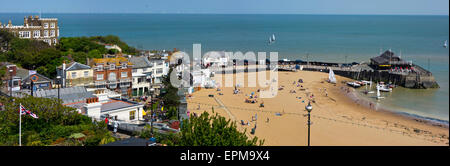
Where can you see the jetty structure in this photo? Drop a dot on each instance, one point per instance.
(386, 67)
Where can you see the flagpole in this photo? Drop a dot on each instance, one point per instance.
(20, 126)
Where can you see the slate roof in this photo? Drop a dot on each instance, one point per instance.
(140, 62)
(385, 58)
(67, 95)
(75, 66)
(114, 104)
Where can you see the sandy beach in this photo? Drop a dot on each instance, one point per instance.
(337, 118)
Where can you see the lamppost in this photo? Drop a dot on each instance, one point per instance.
(309, 109)
(58, 81)
(11, 81)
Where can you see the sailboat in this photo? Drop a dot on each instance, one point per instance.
(378, 93)
(331, 77)
(272, 39)
(445, 44)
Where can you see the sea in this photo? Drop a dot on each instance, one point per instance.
(331, 38)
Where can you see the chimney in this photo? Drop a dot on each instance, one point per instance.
(13, 68)
(64, 74)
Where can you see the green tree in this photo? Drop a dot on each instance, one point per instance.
(215, 130)
(54, 125)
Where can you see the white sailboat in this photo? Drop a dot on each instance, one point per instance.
(445, 44)
(272, 39)
(331, 77)
(378, 93)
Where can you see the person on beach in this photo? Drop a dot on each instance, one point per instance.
(267, 121)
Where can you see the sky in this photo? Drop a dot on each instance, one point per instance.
(377, 7)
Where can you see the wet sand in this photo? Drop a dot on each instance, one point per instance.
(337, 118)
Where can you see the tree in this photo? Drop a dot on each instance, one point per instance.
(56, 123)
(213, 130)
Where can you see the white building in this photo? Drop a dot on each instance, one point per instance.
(160, 68)
(142, 74)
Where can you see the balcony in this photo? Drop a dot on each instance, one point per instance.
(112, 84)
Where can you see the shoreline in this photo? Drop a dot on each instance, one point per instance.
(423, 119)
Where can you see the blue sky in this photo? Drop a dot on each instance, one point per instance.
(402, 7)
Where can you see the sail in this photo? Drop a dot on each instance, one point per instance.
(378, 91)
(331, 77)
(273, 37)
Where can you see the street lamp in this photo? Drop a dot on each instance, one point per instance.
(309, 109)
(58, 81)
(10, 77)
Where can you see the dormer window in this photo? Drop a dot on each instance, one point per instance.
(100, 67)
(112, 67)
(124, 65)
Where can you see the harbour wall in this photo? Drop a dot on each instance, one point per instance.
(411, 80)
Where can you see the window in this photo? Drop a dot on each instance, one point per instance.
(112, 76)
(45, 25)
(24, 34)
(124, 74)
(36, 34)
(112, 67)
(86, 73)
(124, 66)
(74, 75)
(132, 115)
(52, 25)
(100, 67)
(99, 76)
(134, 70)
(159, 71)
(54, 41)
(144, 69)
(46, 33)
(52, 33)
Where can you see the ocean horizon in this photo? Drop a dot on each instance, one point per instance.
(332, 38)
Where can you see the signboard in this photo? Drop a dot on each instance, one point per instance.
(34, 78)
(31, 72)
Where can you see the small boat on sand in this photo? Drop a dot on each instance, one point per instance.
(354, 84)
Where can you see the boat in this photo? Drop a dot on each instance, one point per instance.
(364, 82)
(385, 88)
(378, 92)
(272, 39)
(354, 84)
(331, 77)
(445, 44)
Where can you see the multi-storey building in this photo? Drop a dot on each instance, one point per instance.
(113, 73)
(142, 72)
(44, 29)
(75, 74)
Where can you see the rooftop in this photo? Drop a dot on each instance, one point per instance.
(114, 104)
(140, 62)
(116, 60)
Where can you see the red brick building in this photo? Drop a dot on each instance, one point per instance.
(113, 74)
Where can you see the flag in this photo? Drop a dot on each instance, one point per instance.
(24, 111)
